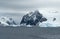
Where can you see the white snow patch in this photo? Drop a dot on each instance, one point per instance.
(29, 26)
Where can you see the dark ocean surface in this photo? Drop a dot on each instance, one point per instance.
(29, 33)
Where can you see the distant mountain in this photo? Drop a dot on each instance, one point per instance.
(33, 18)
(7, 21)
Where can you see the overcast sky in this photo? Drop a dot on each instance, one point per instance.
(17, 6)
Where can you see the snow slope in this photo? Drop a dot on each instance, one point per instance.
(6, 21)
(50, 14)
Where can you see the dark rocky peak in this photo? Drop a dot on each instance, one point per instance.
(32, 18)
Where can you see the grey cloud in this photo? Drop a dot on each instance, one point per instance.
(28, 4)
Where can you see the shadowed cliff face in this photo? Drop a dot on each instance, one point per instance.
(33, 18)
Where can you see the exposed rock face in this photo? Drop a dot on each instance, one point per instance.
(43, 19)
(54, 19)
(33, 18)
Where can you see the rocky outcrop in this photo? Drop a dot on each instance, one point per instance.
(33, 18)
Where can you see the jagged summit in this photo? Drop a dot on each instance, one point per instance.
(32, 18)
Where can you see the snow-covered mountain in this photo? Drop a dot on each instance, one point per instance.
(33, 18)
(49, 18)
(7, 21)
(43, 19)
